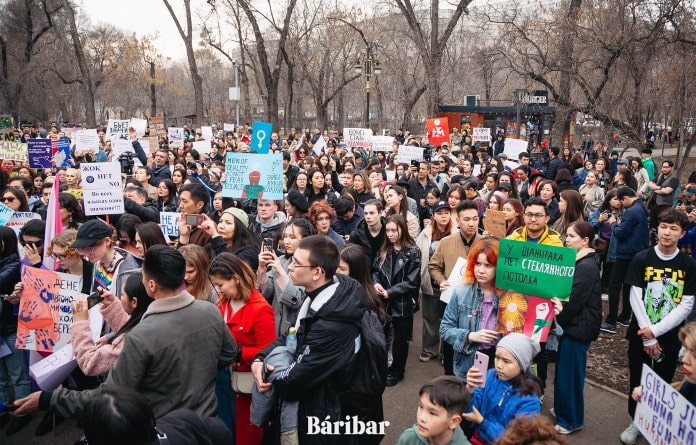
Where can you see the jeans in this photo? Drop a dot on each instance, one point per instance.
(617, 289)
(569, 382)
(403, 330)
(14, 369)
(430, 305)
(225, 398)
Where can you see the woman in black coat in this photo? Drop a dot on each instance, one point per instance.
(396, 273)
(580, 321)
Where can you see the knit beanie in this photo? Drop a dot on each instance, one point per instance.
(298, 200)
(523, 348)
(239, 214)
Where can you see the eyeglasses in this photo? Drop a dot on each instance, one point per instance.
(535, 215)
(8, 199)
(85, 250)
(58, 257)
(295, 265)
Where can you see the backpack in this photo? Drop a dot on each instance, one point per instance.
(371, 368)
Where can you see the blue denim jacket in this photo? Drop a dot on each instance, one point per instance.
(463, 315)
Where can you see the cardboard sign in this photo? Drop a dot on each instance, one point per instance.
(357, 137)
(169, 222)
(253, 176)
(261, 137)
(157, 125)
(535, 269)
(86, 140)
(438, 131)
(408, 153)
(119, 127)
(13, 151)
(152, 143)
(663, 415)
(102, 188)
(45, 311)
(382, 143)
(494, 223)
(40, 153)
(175, 136)
(456, 278)
(480, 134)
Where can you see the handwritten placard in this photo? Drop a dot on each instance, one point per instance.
(535, 269)
(169, 222)
(253, 176)
(86, 140)
(494, 223)
(357, 137)
(408, 153)
(157, 125)
(480, 134)
(45, 312)
(13, 151)
(663, 415)
(117, 127)
(382, 143)
(515, 147)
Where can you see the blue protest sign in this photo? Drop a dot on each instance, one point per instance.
(61, 152)
(261, 137)
(5, 214)
(253, 176)
(40, 152)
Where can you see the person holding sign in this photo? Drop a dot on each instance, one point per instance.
(535, 230)
(470, 317)
(663, 284)
(580, 320)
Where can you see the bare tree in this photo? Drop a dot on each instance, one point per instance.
(187, 37)
(85, 82)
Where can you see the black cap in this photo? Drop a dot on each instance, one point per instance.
(91, 232)
(402, 181)
(441, 205)
(504, 186)
(298, 200)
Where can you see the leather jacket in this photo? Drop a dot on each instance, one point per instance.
(399, 273)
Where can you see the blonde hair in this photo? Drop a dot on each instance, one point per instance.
(64, 239)
(197, 257)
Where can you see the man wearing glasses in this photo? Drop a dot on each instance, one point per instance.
(535, 230)
(325, 358)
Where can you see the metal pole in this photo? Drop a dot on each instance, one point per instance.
(153, 96)
(236, 85)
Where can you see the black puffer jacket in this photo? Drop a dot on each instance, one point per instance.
(9, 276)
(325, 357)
(399, 275)
(582, 314)
(361, 236)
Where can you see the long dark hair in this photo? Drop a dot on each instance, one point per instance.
(8, 242)
(150, 234)
(405, 239)
(171, 189)
(71, 204)
(403, 205)
(527, 384)
(134, 288)
(242, 237)
(356, 258)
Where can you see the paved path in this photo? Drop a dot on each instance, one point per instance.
(605, 410)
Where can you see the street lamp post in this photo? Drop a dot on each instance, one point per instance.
(236, 85)
(368, 66)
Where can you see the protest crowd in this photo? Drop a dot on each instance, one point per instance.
(205, 286)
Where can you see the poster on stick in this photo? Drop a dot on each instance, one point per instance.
(438, 131)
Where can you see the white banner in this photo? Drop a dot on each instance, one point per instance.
(102, 188)
(86, 140)
(513, 148)
(140, 126)
(202, 147)
(117, 127)
(481, 135)
(357, 137)
(408, 153)
(382, 143)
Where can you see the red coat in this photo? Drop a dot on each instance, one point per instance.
(252, 326)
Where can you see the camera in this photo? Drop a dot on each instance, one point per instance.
(689, 209)
(194, 220)
(126, 161)
(95, 298)
(428, 153)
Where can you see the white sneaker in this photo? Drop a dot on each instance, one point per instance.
(605, 297)
(390, 358)
(630, 435)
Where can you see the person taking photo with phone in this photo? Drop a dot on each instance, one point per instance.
(231, 235)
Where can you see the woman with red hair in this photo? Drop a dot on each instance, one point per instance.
(470, 317)
(320, 214)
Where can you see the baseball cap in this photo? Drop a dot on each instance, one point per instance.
(441, 205)
(91, 232)
(504, 186)
(622, 161)
(690, 191)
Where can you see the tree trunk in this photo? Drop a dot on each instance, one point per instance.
(86, 85)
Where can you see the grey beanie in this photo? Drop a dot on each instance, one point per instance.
(523, 348)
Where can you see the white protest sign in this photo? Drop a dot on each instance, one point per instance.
(319, 145)
(207, 133)
(663, 415)
(117, 127)
(228, 127)
(408, 153)
(52, 370)
(202, 147)
(140, 125)
(169, 222)
(120, 146)
(455, 279)
(175, 136)
(357, 137)
(382, 143)
(102, 189)
(19, 219)
(513, 147)
(86, 140)
(481, 135)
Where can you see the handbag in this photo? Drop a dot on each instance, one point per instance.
(242, 382)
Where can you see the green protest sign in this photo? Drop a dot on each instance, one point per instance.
(535, 269)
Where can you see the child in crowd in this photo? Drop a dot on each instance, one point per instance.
(507, 392)
(439, 414)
